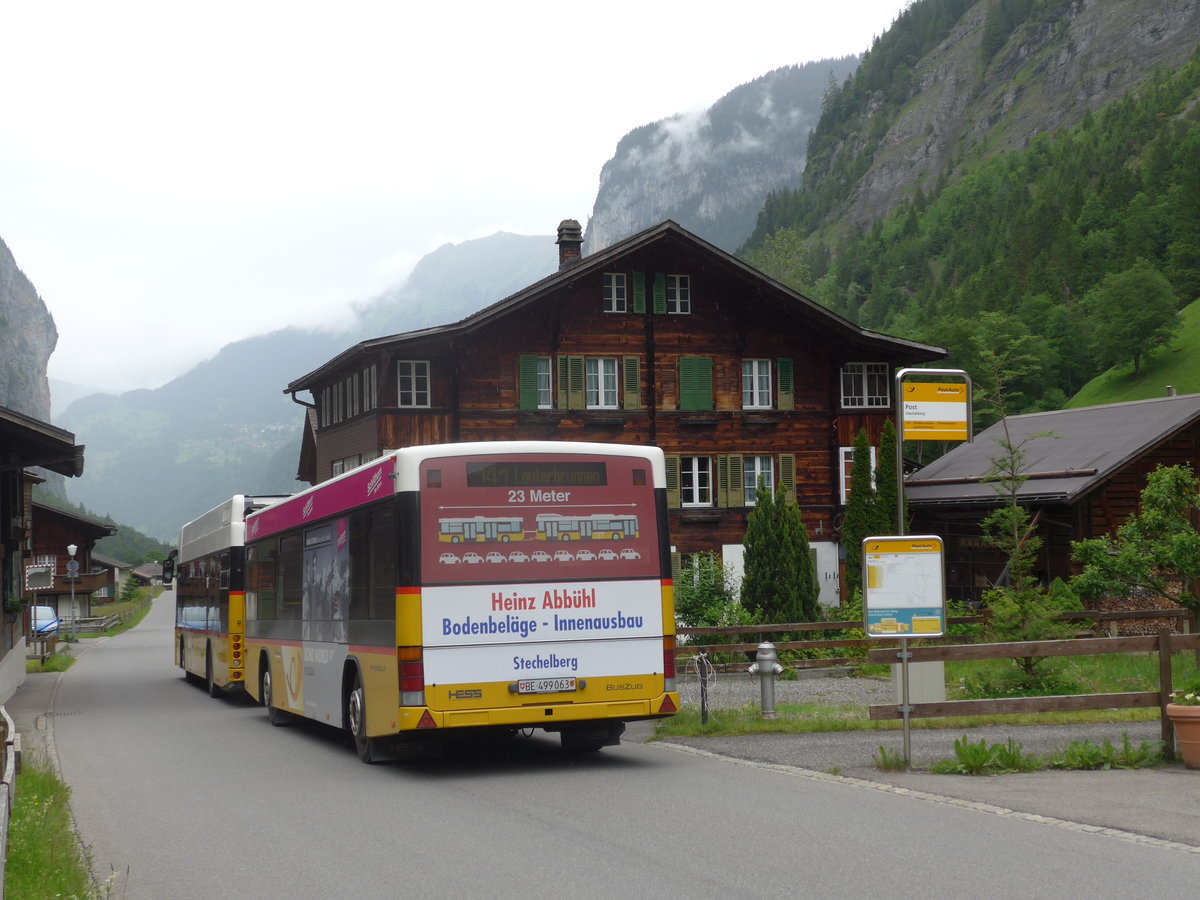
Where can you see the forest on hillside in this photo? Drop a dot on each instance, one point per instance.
(1043, 266)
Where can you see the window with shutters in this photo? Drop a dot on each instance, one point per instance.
(695, 481)
(696, 383)
(413, 382)
(756, 384)
(847, 469)
(679, 294)
(535, 386)
(754, 470)
(601, 382)
(866, 385)
(615, 300)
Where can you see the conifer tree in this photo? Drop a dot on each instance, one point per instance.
(780, 582)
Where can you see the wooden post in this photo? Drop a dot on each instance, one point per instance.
(1164, 691)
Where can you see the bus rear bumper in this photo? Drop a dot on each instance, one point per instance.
(547, 716)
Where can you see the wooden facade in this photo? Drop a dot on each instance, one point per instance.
(662, 339)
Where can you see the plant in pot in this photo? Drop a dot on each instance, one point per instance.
(1184, 713)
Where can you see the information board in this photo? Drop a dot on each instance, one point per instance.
(904, 593)
(934, 411)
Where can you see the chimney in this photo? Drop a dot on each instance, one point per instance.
(570, 243)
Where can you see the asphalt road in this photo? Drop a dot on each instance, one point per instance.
(181, 796)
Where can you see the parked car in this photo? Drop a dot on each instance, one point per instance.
(472, 557)
(630, 553)
(584, 555)
(44, 620)
(518, 556)
(449, 559)
(563, 556)
(540, 556)
(494, 557)
(607, 554)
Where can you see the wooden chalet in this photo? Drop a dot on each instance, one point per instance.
(660, 339)
(25, 442)
(1085, 470)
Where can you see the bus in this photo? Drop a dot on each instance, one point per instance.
(596, 526)
(209, 598)
(457, 529)
(358, 616)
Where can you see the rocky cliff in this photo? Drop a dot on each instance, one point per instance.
(711, 171)
(27, 338)
(1071, 57)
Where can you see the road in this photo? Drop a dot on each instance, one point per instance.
(181, 796)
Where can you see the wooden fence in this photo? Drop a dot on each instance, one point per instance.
(1102, 622)
(1164, 644)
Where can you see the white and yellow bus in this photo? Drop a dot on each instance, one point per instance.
(360, 615)
(209, 598)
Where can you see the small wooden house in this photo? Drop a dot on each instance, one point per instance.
(660, 339)
(1084, 472)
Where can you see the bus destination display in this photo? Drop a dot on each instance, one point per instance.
(536, 474)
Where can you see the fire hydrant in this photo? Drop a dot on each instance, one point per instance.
(766, 666)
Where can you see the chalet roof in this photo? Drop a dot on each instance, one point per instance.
(83, 524)
(911, 351)
(108, 562)
(1088, 446)
(26, 441)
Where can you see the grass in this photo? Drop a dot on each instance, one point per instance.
(44, 857)
(1109, 673)
(59, 662)
(1174, 363)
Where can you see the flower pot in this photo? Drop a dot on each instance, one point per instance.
(1186, 720)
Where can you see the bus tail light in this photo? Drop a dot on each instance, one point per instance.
(412, 676)
(669, 662)
(235, 650)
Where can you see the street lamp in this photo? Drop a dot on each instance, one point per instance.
(72, 571)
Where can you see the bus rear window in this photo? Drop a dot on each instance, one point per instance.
(536, 474)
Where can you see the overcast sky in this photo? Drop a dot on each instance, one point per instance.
(175, 177)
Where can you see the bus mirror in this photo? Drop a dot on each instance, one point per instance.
(169, 569)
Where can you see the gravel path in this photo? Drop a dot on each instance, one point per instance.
(732, 691)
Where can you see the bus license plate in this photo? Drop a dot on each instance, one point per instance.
(545, 685)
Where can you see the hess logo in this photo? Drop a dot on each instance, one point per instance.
(467, 694)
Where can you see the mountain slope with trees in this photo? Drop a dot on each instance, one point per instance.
(1020, 246)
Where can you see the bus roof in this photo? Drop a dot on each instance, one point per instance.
(221, 527)
(402, 467)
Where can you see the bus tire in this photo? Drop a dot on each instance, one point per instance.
(209, 684)
(356, 721)
(275, 715)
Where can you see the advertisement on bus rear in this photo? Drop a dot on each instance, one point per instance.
(488, 520)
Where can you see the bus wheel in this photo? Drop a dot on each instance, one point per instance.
(275, 715)
(356, 715)
(209, 684)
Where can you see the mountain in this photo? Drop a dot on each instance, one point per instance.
(992, 173)
(27, 338)
(158, 458)
(710, 171)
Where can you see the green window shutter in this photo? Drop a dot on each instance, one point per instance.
(787, 474)
(673, 500)
(696, 383)
(676, 566)
(527, 381)
(631, 381)
(722, 492)
(737, 496)
(787, 386)
(660, 292)
(639, 292)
